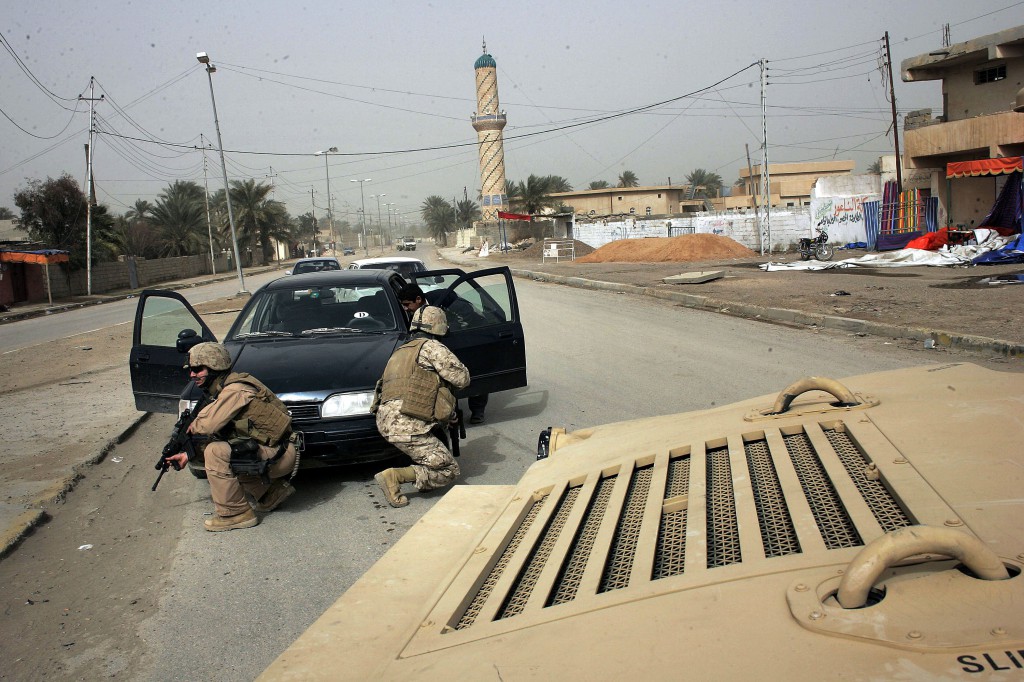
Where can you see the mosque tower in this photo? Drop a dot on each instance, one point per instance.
(488, 121)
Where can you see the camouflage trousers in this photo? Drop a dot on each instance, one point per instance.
(433, 463)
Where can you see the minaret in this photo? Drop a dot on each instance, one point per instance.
(488, 121)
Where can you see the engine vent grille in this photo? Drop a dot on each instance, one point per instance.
(701, 508)
(304, 411)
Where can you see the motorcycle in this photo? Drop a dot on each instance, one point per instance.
(817, 248)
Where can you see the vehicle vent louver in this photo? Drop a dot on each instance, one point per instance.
(833, 521)
(539, 557)
(889, 514)
(572, 571)
(735, 503)
(304, 411)
(473, 610)
(722, 531)
(777, 532)
(670, 557)
(620, 560)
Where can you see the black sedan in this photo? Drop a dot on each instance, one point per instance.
(320, 342)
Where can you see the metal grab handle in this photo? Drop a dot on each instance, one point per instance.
(838, 391)
(883, 552)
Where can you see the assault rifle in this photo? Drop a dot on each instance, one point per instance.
(456, 430)
(180, 441)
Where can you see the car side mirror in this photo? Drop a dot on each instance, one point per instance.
(287, 272)
(439, 280)
(187, 338)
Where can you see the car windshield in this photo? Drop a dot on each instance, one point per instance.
(315, 266)
(310, 311)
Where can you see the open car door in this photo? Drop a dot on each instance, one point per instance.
(166, 327)
(484, 329)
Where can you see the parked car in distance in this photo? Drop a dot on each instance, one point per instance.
(348, 251)
(403, 265)
(320, 341)
(407, 244)
(319, 264)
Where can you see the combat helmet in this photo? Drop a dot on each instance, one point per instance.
(429, 319)
(211, 355)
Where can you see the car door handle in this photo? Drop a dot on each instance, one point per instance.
(505, 335)
(143, 358)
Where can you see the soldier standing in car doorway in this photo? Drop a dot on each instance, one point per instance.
(250, 448)
(412, 299)
(415, 394)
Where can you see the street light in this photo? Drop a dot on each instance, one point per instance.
(380, 223)
(362, 213)
(330, 211)
(388, 207)
(210, 69)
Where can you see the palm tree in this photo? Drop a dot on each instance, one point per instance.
(466, 212)
(181, 221)
(599, 184)
(139, 212)
(532, 196)
(628, 179)
(875, 167)
(704, 183)
(559, 184)
(439, 216)
(258, 220)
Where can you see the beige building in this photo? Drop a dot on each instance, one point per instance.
(657, 200)
(981, 79)
(791, 184)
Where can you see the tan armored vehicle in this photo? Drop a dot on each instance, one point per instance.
(869, 529)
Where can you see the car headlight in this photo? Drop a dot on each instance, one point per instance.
(347, 404)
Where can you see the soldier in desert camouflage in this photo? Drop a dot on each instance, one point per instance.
(415, 393)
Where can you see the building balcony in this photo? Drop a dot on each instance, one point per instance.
(489, 121)
(932, 145)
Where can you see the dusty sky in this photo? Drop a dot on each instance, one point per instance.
(383, 80)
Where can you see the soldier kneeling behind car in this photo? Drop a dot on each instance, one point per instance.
(250, 447)
(415, 393)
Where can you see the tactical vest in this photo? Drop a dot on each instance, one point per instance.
(265, 419)
(424, 394)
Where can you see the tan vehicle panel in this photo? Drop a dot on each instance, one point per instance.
(873, 531)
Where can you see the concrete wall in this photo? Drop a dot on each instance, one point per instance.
(787, 227)
(966, 99)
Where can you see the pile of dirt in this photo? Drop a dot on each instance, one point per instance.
(685, 248)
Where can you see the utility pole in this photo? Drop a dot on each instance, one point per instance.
(766, 181)
(90, 192)
(273, 194)
(313, 200)
(209, 223)
(895, 126)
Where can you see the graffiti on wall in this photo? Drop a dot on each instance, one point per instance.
(839, 211)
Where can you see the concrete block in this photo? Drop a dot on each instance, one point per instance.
(698, 277)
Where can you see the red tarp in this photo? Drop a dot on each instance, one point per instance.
(48, 257)
(514, 216)
(972, 169)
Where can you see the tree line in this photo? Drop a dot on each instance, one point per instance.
(180, 222)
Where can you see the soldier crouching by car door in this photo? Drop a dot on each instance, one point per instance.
(414, 394)
(249, 446)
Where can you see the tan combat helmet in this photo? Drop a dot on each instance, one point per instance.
(429, 319)
(211, 355)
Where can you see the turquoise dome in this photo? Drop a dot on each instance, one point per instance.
(485, 61)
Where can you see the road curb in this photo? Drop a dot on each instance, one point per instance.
(941, 338)
(35, 514)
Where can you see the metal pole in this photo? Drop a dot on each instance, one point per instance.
(895, 127)
(330, 206)
(380, 224)
(227, 190)
(209, 223)
(89, 191)
(766, 181)
(313, 200)
(362, 214)
(753, 197)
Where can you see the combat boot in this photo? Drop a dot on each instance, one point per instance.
(246, 519)
(391, 480)
(279, 491)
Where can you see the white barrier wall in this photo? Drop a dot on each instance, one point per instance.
(787, 227)
(841, 217)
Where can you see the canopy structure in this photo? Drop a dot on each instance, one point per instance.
(973, 169)
(44, 257)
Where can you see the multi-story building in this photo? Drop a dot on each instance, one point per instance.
(791, 184)
(657, 200)
(981, 85)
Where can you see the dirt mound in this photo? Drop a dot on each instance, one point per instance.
(685, 248)
(536, 250)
